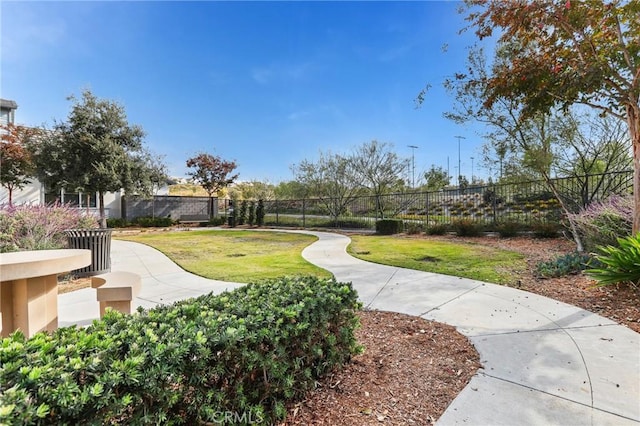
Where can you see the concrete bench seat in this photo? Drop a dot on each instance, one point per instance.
(116, 290)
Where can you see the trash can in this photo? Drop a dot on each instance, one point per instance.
(231, 220)
(96, 240)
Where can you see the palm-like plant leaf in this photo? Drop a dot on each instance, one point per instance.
(620, 264)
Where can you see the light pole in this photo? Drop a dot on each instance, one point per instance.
(413, 166)
(472, 170)
(459, 169)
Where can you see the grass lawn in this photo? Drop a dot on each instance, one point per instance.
(239, 256)
(461, 260)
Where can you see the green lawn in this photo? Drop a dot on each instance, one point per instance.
(461, 260)
(239, 256)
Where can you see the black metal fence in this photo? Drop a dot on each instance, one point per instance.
(523, 202)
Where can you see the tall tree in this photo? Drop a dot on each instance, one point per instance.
(291, 189)
(332, 179)
(212, 173)
(380, 169)
(253, 190)
(563, 53)
(16, 167)
(146, 173)
(436, 178)
(94, 152)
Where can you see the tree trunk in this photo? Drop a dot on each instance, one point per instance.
(633, 119)
(103, 217)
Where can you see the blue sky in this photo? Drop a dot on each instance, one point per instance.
(267, 84)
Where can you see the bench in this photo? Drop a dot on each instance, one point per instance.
(116, 290)
(193, 218)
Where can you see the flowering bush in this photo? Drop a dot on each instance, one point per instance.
(36, 227)
(602, 223)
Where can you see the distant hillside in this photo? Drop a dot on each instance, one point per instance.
(187, 190)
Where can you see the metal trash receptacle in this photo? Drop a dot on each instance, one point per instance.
(96, 240)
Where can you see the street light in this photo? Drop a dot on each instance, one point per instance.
(459, 169)
(472, 170)
(413, 166)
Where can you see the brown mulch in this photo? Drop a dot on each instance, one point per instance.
(68, 283)
(408, 373)
(411, 368)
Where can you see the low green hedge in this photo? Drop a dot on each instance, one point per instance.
(389, 226)
(238, 357)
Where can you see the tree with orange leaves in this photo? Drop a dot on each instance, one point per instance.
(564, 53)
(16, 168)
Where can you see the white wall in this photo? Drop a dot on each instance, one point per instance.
(30, 194)
(33, 193)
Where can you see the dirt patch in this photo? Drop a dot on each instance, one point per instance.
(409, 373)
(69, 283)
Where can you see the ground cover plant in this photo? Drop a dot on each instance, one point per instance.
(238, 256)
(566, 264)
(450, 258)
(240, 356)
(619, 263)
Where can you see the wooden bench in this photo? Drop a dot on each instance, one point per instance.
(193, 218)
(116, 290)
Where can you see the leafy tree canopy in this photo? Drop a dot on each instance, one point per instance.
(554, 53)
(95, 151)
(16, 167)
(211, 172)
(436, 178)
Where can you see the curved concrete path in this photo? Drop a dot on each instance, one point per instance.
(544, 362)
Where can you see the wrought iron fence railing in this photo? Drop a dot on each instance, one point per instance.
(522, 202)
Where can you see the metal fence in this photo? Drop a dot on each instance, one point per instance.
(523, 202)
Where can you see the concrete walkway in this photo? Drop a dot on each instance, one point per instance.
(544, 362)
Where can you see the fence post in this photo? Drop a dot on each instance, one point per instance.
(277, 213)
(494, 203)
(304, 202)
(427, 209)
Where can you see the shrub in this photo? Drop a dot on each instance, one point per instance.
(508, 229)
(252, 212)
(152, 222)
(260, 213)
(388, 226)
(571, 263)
(248, 352)
(437, 229)
(117, 223)
(618, 264)
(414, 228)
(217, 221)
(40, 227)
(242, 214)
(602, 223)
(545, 229)
(466, 228)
